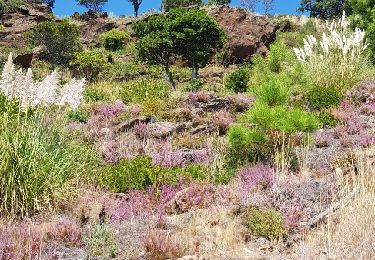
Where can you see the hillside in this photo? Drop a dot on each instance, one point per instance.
(204, 132)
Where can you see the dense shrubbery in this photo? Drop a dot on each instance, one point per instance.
(267, 223)
(9, 6)
(170, 4)
(143, 90)
(61, 40)
(114, 39)
(238, 80)
(90, 64)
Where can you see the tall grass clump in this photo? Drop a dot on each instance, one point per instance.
(38, 162)
(338, 59)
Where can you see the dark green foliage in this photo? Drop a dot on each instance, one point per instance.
(321, 98)
(238, 80)
(267, 223)
(130, 174)
(327, 120)
(93, 5)
(325, 9)
(78, 116)
(7, 6)
(155, 45)
(93, 95)
(219, 2)
(114, 39)
(196, 36)
(170, 4)
(195, 84)
(89, 64)
(61, 39)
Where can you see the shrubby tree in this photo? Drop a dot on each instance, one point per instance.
(93, 5)
(188, 33)
(196, 36)
(61, 40)
(170, 4)
(155, 45)
(136, 4)
(325, 9)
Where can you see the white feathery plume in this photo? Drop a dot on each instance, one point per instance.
(7, 77)
(72, 93)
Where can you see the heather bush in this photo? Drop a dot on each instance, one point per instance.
(61, 39)
(267, 223)
(160, 245)
(89, 64)
(238, 80)
(114, 39)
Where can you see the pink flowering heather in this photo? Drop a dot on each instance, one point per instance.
(339, 131)
(162, 154)
(141, 130)
(20, 241)
(160, 244)
(134, 110)
(200, 96)
(367, 140)
(293, 215)
(110, 152)
(353, 127)
(322, 139)
(251, 177)
(66, 231)
(109, 110)
(368, 109)
(223, 120)
(241, 101)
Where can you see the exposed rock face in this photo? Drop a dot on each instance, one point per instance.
(21, 20)
(247, 33)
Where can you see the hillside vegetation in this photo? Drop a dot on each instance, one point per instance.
(198, 132)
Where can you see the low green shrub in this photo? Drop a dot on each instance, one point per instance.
(272, 92)
(102, 241)
(323, 98)
(130, 174)
(327, 120)
(78, 115)
(114, 39)
(90, 64)
(238, 80)
(279, 56)
(9, 6)
(267, 223)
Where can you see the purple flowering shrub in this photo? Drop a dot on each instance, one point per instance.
(66, 231)
(323, 138)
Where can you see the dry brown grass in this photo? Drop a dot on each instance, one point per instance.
(349, 233)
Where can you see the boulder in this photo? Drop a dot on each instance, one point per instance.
(24, 18)
(248, 33)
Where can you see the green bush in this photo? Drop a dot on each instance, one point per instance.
(279, 56)
(143, 90)
(327, 119)
(170, 4)
(130, 174)
(114, 39)
(267, 223)
(238, 80)
(90, 64)
(38, 164)
(78, 115)
(272, 92)
(61, 39)
(323, 98)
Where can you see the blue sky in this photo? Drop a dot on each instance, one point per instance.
(123, 7)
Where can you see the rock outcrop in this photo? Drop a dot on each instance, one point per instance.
(248, 34)
(21, 20)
